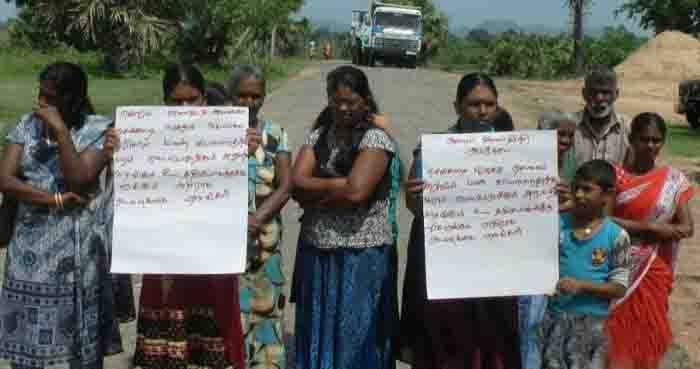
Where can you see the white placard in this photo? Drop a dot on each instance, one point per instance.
(181, 190)
(491, 214)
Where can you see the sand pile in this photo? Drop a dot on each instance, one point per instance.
(671, 56)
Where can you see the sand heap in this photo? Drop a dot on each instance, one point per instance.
(671, 56)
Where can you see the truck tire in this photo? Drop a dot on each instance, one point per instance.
(412, 62)
(693, 118)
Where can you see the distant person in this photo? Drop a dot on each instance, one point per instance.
(602, 133)
(462, 333)
(594, 270)
(653, 205)
(312, 49)
(327, 51)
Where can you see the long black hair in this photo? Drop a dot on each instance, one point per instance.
(646, 120)
(471, 81)
(356, 80)
(71, 84)
(187, 74)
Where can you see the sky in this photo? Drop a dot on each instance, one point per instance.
(462, 13)
(469, 13)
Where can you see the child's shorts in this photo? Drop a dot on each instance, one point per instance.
(574, 341)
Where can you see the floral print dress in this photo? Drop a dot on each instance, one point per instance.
(56, 302)
(262, 297)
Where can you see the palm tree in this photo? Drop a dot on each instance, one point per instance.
(128, 29)
(578, 8)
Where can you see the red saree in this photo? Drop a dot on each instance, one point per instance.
(196, 323)
(638, 326)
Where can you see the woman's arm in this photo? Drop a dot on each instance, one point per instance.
(12, 185)
(368, 170)
(272, 205)
(306, 187)
(681, 226)
(414, 188)
(79, 169)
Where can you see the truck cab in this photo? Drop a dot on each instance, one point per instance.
(387, 32)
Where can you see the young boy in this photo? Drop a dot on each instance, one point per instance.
(594, 262)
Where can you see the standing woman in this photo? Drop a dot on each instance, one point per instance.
(653, 206)
(479, 333)
(346, 282)
(262, 296)
(188, 320)
(56, 299)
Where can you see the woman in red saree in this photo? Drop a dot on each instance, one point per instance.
(189, 320)
(652, 205)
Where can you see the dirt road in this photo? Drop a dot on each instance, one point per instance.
(418, 100)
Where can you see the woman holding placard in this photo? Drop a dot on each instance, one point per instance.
(346, 283)
(262, 285)
(472, 333)
(56, 303)
(188, 320)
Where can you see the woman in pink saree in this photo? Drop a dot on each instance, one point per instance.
(653, 206)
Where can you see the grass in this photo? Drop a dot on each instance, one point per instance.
(20, 70)
(683, 141)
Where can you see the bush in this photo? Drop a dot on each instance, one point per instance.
(459, 54)
(612, 47)
(547, 57)
(528, 56)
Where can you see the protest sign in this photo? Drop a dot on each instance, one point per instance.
(181, 190)
(490, 214)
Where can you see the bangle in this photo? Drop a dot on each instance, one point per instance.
(55, 202)
(60, 201)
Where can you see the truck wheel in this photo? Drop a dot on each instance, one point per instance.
(412, 62)
(693, 118)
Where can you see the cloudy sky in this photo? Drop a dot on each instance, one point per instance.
(467, 13)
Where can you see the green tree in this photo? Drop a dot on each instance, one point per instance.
(435, 22)
(664, 15)
(129, 30)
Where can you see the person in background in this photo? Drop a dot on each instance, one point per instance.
(601, 133)
(653, 206)
(503, 121)
(217, 94)
(56, 302)
(565, 125)
(480, 333)
(262, 297)
(188, 320)
(345, 290)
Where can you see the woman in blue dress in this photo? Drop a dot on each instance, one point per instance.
(56, 302)
(345, 288)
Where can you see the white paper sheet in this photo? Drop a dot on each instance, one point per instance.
(181, 190)
(491, 214)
